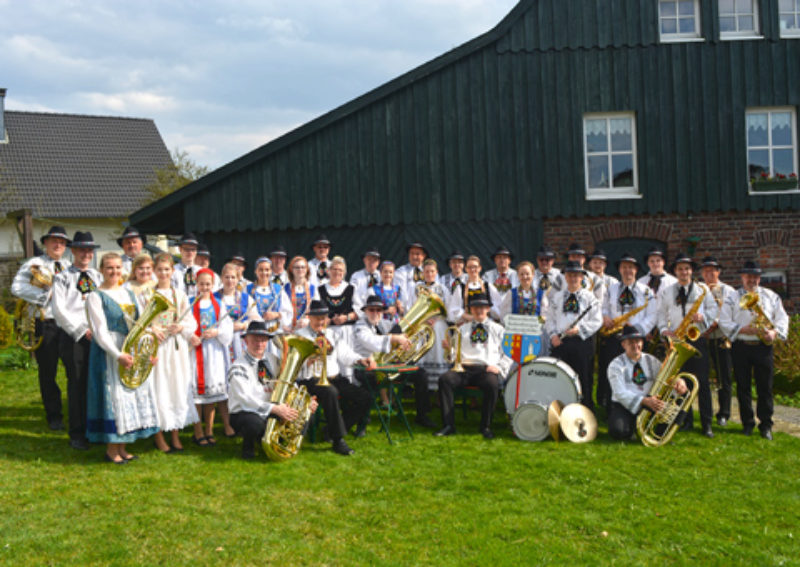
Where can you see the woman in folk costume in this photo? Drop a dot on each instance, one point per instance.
(390, 293)
(526, 299)
(297, 295)
(433, 362)
(459, 296)
(267, 295)
(172, 373)
(116, 414)
(240, 308)
(210, 344)
(338, 296)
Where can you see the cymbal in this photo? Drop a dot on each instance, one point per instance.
(554, 419)
(578, 423)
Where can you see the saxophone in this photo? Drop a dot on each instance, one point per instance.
(282, 439)
(619, 322)
(687, 330)
(142, 344)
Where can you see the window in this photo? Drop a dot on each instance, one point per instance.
(789, 14)
(679, 20)
(776, 281)
(738, 18)
(610, 156)
(772, 149)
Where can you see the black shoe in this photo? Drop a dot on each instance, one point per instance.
(707, 432)
(79, 444)
(342, 447)
(360, 432)
(766, 434)
(722, 421)
(425, 421)
(248, 455)
(747, 430)
(111, 460)
(56, 424)
(445, 431)
(487, 433)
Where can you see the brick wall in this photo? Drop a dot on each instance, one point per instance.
(772, 238)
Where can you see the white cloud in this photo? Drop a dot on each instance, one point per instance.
(136, 103)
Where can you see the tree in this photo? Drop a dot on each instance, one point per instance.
(181, 171)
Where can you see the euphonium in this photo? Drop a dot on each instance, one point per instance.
(320, 367)
(416, 327)
(657, 428)
(619, 322)
(282, 439)
(687, 330)
(26, 314)
(142, 344)
(761, 322)
(453, 354)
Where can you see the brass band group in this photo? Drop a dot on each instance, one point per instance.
(151, 346)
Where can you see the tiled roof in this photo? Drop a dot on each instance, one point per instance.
(70, 165)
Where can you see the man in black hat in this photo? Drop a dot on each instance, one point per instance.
(355, 401)
(546, 276)
(657, 278)
(719, 347)
(184, 277)
(573, 317)
(203, 260)
(371, 335)
(752, 346)
(238, 259)
(363, 280)
(319, 264)
(250, 385)
(591, 281)
(485, 366)
(622, 298)
(278, 257)
(676, 303)
(503, 276)
(132, 243)
(598, 262)
(457, 275)
(409, 275)
(55, 341)
(70, 289)
(631, 376)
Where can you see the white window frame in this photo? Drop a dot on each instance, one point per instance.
(793, 33)
(601, 193)
(682, 37)
(769, 110)
(755, 33)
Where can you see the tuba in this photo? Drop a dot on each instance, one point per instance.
(142, 344)
(657, 428)
(282, 439)
(26, 314)
(416, 326)
(749, 301)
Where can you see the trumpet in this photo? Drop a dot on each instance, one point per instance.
(453, 354)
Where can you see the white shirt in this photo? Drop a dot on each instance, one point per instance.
(557, 322)
(366, 339)
(341, 355)
(720, 292)
(666, 281)
(594, 283)
(313, 266)
(620, 378)
(645, 320)
(246, 393)
(456, 301)
(671, 314)
(404, 277)
(21, 286)
(490, 352)
(179, 279)
(69, 303)
(554, 276)
(492, 275)
(732, 318)
(360, 280)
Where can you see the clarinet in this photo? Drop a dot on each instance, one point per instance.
(575, 322)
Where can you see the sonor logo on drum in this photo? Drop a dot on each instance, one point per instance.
(545, 374)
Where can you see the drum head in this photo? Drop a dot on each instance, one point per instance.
(545, 380)
(530, 422)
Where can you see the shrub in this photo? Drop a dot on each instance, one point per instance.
(787, 353)
(6, 329)
(15, 358)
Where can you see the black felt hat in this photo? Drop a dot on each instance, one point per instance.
(83, 240)
(751, 267)
(630, 332)
(317, 309)
(627, 257)
(480, 300)
(131, 232)
(237, 257)
(545, 251)
(202, 250)
(456, 255)
(373, 302)
(683, 258)
(321, 239)
(573, 266)
(279, 250)
(416, 244)
(257, 328)
(372, 252)
(575, 250)
(710, 262)
(600, 254)
(502, 250)
(654, 251)
(188, 238)
(55, 232)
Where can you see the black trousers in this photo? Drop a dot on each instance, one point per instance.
(77, 359)
(419, 378)
(578, 353)
(698, 365)
(56, 344)
(754, 360)
(721, 360)
(608, 348)
(474, 375)
(251, 427)
(341, 414)
(621, 422)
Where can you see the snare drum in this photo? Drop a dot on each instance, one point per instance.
(528, 396)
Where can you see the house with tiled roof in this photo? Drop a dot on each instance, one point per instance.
(81, 172)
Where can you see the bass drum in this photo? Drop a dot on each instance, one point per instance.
(538, 384)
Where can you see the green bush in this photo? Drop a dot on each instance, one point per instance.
(14, 358)
(787, 358)
(6, 329)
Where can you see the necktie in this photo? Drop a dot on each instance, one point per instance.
(263, 372)
(188, 277)
(681, 299)
(479, 333)
(417, 275)
(626, 297)
(378, 330)
(638, 375)
(57, 268)
(276, 279)
(85, 284)
(454, 285)
(544, 283)
(655, 282)
(502, 283)
(571, 304)
(373, 280)
(322, 270)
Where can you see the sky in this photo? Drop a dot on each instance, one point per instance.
(221, 78)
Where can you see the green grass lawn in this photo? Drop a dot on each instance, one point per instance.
(455, 501)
